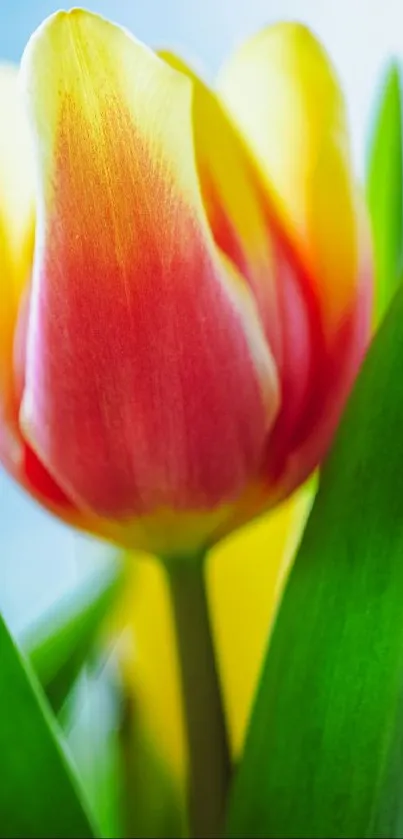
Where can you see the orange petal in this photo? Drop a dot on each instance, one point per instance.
(149, 382)
(282, 91)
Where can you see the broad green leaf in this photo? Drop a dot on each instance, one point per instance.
(385, 188)
(60, 643)
(324, 754)
(39, 794)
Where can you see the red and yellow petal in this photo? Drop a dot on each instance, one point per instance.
(234, 199)
(282, 91)
(16, 242)
(246, 226)
(149, 383)
(17, 233)
(16, 207)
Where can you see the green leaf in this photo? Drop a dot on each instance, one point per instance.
(385, 188)
(60, 643)
(324, 753)
(39, 794)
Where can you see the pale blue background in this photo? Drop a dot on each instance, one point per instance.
(39, 558)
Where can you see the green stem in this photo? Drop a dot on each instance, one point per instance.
(208, 752)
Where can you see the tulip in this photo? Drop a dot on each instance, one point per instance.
(178, 358)
(243, 585)
(180, 343)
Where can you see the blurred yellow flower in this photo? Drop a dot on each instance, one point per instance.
(245, 577)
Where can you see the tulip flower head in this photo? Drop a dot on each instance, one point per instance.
(177, 358)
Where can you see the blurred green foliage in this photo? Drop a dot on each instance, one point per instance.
(385, 187)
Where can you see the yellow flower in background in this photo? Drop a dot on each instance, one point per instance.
(245, 575)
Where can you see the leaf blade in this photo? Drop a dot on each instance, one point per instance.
(322, 757)
(39, 793)
(385, 187)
